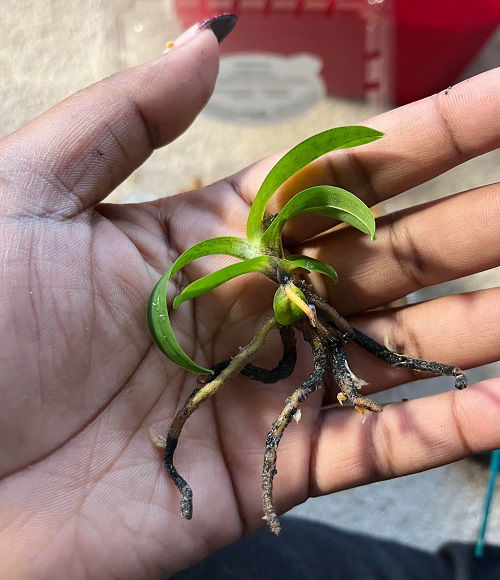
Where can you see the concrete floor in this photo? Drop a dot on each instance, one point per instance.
(51, 48)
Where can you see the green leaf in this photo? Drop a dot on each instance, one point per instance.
(259, 264)
(312, 265)
(324, 200)
(157, 314)
(297, 158)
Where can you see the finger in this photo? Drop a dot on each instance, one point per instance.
(461, 330)
(422, 140)
(75, 154)
(422, 246)
(406, 438)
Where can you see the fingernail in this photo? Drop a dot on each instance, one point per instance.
(221, 26)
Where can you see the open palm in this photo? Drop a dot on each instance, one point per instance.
(83, 492)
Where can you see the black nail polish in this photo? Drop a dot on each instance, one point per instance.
(221, 25)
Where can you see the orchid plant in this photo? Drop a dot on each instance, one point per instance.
(296, 306)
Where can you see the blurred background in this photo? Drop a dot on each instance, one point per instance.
(291, 69)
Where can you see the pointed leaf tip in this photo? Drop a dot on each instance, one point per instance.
(157, 312)
(324, 200)
(296, 159)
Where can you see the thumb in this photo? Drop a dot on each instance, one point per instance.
(74, 155)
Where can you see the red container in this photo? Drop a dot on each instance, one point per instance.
(436, 40)
(398, 50)
(350, 37)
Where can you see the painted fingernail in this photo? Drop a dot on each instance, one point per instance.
(221, 25)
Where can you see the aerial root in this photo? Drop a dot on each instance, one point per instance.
(406, 362)
(282, 370)
(197, 397)
(278, 427)
(347, 382)
(327, 312)
(327, 338)
(309, 311)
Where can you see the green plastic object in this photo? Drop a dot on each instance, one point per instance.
(488, 499)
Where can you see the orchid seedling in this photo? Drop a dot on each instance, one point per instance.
(296, 307)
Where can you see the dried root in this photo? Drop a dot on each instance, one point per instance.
(347, 382)
(327, 338)
(406, 362)
(282, 370)
(200, 394)
(278, 427)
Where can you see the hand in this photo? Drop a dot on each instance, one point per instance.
(83, 492)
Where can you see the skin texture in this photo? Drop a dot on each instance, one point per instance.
(83, 493)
